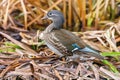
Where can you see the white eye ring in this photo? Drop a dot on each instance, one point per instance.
(50, 14)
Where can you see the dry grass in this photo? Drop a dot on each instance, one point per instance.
(27, 13)
(24, 63)
(30, 59)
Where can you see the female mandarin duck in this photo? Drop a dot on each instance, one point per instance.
(64, 42)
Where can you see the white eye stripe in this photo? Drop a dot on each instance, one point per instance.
(52, 14)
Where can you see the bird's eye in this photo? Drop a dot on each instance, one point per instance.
(50, 14)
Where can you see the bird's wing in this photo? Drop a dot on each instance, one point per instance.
(67, 38)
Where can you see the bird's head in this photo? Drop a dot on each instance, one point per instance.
(56, 17)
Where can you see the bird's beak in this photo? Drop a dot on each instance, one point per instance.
(45, 17)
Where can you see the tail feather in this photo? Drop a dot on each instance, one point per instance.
(88, 50)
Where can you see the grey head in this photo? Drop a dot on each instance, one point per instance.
(56, 17)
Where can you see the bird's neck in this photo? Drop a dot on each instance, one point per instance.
(53, 26)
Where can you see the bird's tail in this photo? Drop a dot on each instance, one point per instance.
(88, 50)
